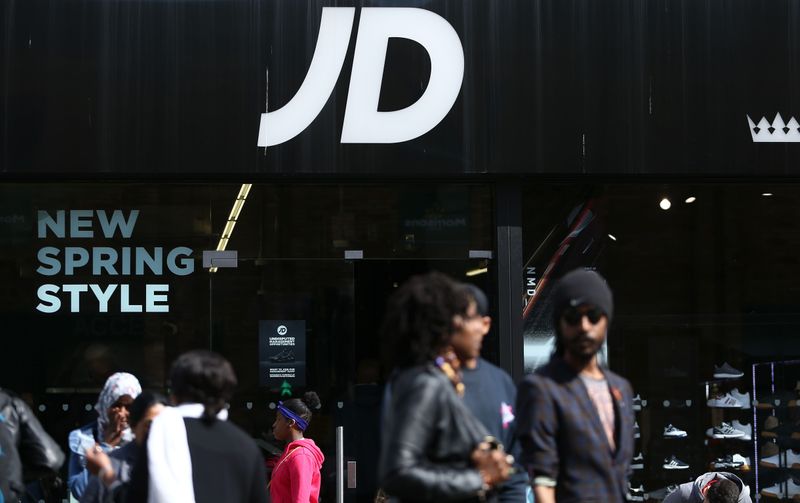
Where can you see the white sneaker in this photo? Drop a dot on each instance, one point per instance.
(725, 401)
(775, 491)
(638, 403)
(771, 461)
(637, 463)
(725, 430)
(747, 429)
(673, 432)
(743, 399)
(792, 489)
(744, 460)
(793, 459)
(636, 431)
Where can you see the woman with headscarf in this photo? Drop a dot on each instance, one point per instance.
(433, 450)
(296, 477)
(109, 431)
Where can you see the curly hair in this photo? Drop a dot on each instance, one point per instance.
(303, 406)
(204, 377)
(419, 318)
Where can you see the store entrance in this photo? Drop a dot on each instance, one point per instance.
(290, 326)
(360, 416)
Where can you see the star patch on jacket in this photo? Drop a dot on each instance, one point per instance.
(507, 413)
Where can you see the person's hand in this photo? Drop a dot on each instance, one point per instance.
(493, 464)
(98, 463)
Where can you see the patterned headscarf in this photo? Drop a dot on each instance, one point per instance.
(118, 385)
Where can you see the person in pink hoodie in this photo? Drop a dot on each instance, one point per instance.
(296, 476)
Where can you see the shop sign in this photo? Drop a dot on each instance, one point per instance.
(102, 262)
(282, 354)
(363, 123)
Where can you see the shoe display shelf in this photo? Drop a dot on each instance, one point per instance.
(729, 434)
(776, 419)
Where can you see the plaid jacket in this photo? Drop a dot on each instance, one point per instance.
(562, 438)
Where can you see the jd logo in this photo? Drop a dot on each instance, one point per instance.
(363, 123)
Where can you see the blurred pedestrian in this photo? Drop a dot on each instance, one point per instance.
(24, 447)
(110, 430)
(111, 474)
(433, 449)
(575, 418)
(489, 392)
(712, 487)
(296, 477)
(193, 453)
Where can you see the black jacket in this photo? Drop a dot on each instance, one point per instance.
(563, 439)
(227, 466)
(428, 438)
(22, 439)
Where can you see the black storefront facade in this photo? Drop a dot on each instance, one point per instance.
(502, 143)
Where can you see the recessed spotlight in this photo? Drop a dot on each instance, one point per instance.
(690, 199)
(613, 238)
(766, 194)
(665, 204)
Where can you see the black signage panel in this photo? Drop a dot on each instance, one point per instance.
(282, 354)
(545, 86)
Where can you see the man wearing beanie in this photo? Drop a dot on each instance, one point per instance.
(574, 418)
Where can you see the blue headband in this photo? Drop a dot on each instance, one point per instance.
(302, 424)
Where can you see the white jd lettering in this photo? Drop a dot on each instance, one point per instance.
(363, 123)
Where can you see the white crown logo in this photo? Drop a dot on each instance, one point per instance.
(777, 132)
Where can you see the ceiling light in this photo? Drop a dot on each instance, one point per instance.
(766, 194)
(690, 199)
(665, 204)
(238, 204)
(475, 272)
(613, 238)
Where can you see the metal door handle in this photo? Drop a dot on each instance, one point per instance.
(351, 474)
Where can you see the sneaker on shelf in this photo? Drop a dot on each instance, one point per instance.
(673, 432)
(725, 430)
(743, 399)
(747, 429)
(661, 494)
(730, 462)
(793, 459)
(775, 491)
(777, 399)
(742, 461)
(637, 463)
(673, 463)
(725, 401)
(725, 371)
(770, 426)
(773, 461)
(636, 431)
(638, 403)
(792, 489)
(636, 493)
(769, 449)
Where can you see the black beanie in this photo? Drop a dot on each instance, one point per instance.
(581, 287)
(481, 301)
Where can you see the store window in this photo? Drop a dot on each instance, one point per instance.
(703, 275)
(103, 277)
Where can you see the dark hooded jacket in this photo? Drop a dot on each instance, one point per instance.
(23, 438)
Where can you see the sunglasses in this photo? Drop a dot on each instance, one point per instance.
(574, 316)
